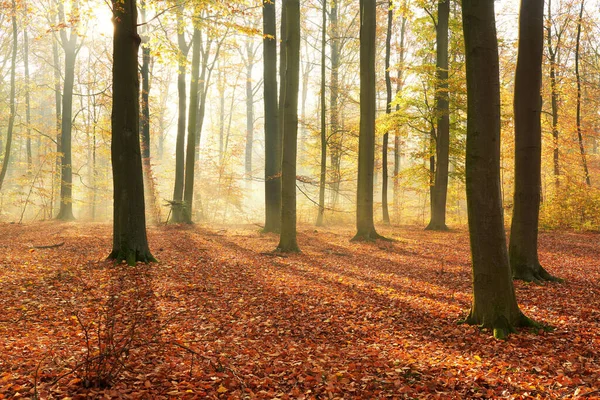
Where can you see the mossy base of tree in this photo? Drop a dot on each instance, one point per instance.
(131, 257)
(368, 236)
(434, 226)
(501, 327)
(534, 273)
(287, 248)
(65, 215)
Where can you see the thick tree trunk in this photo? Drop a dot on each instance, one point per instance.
(177, 215)
(11, 116)
(323, 174)
(129, 227)
(190, 155)
(494, 302)
(287, 239)
(578, 114)
(272, 133)
(442, 148)
(388, 110)
(523, 248)
(66, 187)
(366, 143)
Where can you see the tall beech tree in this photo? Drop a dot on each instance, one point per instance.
(523, 248)
(366, 140)
(323, 173)
(494, 303)
(129, 226)
(177, 215)
(388, 110)
(287, 239)
(70, 47)
(578, 107)
(11, 116)
(272, 137)
(439, 191)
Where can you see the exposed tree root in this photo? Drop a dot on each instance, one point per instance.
(501, 327)
(437, 227)
(370, 236)
(536, 274)
(131, 257)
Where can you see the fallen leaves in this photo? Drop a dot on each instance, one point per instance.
(219, 317)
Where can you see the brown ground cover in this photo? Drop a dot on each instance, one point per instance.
(219, 316)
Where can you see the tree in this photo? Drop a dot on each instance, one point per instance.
(129, 226)
(442, 145)
(366, 142)
(323, 173)
(11, 117)
(494, 303)
(272, 137)
(287, 239)
(578, 115)
(523, 248)
(69, 45)
(177, 215)
(388, 110)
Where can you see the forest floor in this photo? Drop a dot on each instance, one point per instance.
(220, 316)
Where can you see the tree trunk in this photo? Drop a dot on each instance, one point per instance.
(190, 156)
(177, 215)
(523, 248)
(388, 110)
(66, 187)
(249, 111)
(494, 302)
(578, 115)
(554, 95)
(11, 117)
(323, 174)
(129, 227)
(442, 148)
(27, 100)
(287, 239)
(272, 137)
(366, 142)
(397, 143)
(335, 140)
(58, 108)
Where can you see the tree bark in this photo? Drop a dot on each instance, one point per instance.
(323, 174)
(27, 99)
(388, 110)
(553, 95)
(249, 111)
(129, 227)
(190, 155)
(442, 148)
(397, 143)
(11, 116)
(335, 140)
(272, 133)
(494, 303)
(366, 142)
(287, 239)
(523, 248)
(69, 45)
(177, 215)
(578, 113)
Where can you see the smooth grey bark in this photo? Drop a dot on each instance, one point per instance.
(365, 226)
(177, 215)
(69, 45)
(323, 173)
(287, 238)
(523, 247)
(190, 155)
(11, 116)
(442, 145)
(494, 303)
(272, 133)
(130, 243)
